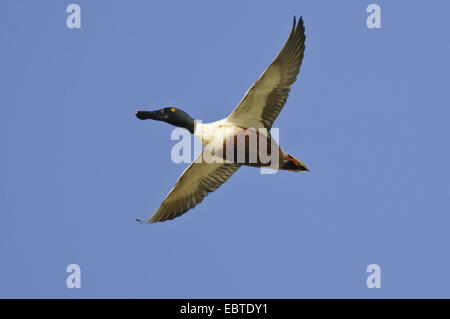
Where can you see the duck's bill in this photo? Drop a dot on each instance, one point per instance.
(151, 115)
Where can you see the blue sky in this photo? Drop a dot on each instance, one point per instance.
(369, 115)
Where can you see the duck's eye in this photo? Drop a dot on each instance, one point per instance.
(172, 109)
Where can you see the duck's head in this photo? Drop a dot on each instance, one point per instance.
(171, 115)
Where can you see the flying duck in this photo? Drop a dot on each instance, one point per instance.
(253, 117)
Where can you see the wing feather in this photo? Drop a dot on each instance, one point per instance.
(263, 102)
(194, 184)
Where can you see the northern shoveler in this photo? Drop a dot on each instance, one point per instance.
(253, 117)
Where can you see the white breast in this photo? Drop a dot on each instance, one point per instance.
(213, 132)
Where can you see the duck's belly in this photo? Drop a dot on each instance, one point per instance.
(248, 147)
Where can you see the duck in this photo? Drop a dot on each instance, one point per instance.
(252, 118)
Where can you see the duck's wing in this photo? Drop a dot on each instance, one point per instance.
(199, 179)
(263, 102)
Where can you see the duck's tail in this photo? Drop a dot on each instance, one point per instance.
(290, 163)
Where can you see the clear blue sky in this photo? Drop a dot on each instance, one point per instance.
(369, 115)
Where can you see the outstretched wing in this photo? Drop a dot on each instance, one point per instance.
(196, 182)
(264, 100)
